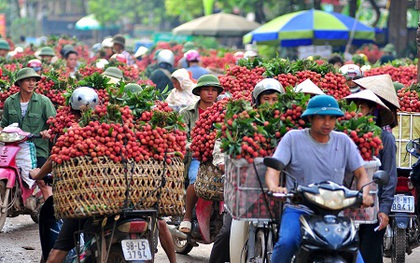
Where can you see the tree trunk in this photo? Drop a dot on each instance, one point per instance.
(259, 12)
(317, 4)
(352, 8)
(377, 11)
(83, 7)
(16, 3)
(397, 24)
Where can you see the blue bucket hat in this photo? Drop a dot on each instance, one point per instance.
(323, 105)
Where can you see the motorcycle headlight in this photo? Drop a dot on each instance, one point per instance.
(10, 137)
(334, 200)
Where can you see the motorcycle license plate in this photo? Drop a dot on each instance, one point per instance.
(136, 249)
(403, 203)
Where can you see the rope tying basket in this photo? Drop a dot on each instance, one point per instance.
(85, 189)
(209, 184)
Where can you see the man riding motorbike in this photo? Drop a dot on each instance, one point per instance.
(266, 91)
(328, 154)
(208, 88)
(30, 111)
(87, 97)
(81, 97)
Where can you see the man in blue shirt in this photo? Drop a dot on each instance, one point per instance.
(313, 155)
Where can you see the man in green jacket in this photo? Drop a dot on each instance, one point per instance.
(30, 111)
(208, 88)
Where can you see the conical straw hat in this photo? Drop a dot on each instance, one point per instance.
(308, 86)
(367, 95)
(386, 115)
(382, 86)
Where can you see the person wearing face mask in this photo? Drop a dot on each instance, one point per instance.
(376, 100)
(351, 72)
(181, 96)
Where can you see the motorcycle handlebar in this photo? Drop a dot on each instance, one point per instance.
(34, 136)
(280, 195)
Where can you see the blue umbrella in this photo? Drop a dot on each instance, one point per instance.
(311, 27)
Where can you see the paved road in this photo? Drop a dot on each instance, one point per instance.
(19, 243)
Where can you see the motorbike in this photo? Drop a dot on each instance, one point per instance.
(402, 234)
(253, 241)
(326, 236)
(206, 224)
(128, 236)
(16, 197)
(254, 237)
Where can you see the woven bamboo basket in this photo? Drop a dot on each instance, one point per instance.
(85, 189)
(209, 184)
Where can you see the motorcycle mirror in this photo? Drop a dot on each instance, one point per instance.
(381, 177)
(273, 163)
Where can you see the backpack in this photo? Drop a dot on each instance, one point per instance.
(415, 173)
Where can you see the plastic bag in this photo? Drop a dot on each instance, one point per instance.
(26, 161)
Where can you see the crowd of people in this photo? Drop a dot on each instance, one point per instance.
(191, 89)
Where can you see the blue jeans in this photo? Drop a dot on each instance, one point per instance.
(193, 170)
(289, 237)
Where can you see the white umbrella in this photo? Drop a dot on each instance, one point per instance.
(220, 24)
(88, 22)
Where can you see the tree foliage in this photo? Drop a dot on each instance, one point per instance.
(139, 11)
(184, 10)
(107, 12)
(264, 10)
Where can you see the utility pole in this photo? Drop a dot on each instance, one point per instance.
(418, 43)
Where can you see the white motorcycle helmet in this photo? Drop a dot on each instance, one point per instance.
(265, 85)
(101, 63)
(83, 96)
(352, 72)
(166, 56)
(250, 54)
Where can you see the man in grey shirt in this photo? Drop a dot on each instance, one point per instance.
(313, 155)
